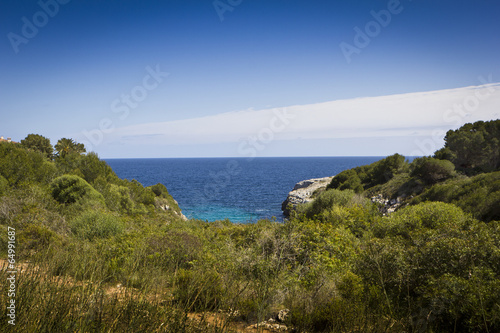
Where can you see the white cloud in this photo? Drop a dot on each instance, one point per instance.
(412, 114)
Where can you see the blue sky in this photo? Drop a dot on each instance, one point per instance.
(122, 76)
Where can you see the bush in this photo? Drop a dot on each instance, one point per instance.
(431, 215)
(160, 190)
(4, 185)
(367, 176)
(36, 237)
(69, 189)
(95, 224)
(20, 166)
(326, 200)
(431, 170)
(118, 199)
(347, 180)
(383, 170)
(141, 194)
(174, 250)
(478, 195)
(92, 167)
(198, 291)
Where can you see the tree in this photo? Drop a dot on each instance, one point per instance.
(384, 170)
(39, 143)
(474, 146)
(68, 146)
(432, 170)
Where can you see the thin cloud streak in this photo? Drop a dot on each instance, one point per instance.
(412, 114)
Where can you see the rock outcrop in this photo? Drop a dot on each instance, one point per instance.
(303, 192)
(387, 206)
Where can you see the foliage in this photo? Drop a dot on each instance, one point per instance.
(327, 200)
(473, 147)
(347, 180)
(69, 189)
(107, 256)
(431, 170)
(160, 190)
(118, 199)
(478, 195)
(96, 224)
(367, 176)
(21, 166)
(4, 185)
(427, 260)
(38, 143)
(67, 146)
(383, 170)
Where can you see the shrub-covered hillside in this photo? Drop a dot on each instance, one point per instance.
(465, 172)
(101, 254)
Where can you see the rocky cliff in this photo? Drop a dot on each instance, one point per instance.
(303, 192)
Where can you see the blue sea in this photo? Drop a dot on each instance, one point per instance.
(239, 189)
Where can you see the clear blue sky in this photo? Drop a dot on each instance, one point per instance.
(73, 72)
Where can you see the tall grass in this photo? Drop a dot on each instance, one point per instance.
(83, 301)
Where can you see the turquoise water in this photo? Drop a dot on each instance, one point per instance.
(238, 189)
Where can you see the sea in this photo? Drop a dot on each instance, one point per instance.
(239, 189)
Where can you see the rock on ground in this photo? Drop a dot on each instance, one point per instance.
(303, 191)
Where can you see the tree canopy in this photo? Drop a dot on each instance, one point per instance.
(39, 143)
(67, 146)
(473, 147)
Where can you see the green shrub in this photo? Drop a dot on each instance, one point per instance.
(92, 167)
(69, 189)
(431, 170)
(36, 237)
(198, 291)
(118, 199)
(4, 185)
(95, 224)
(326, 200)
(478, 195)
(140, 194)
(20, 166)
(367, 176)
(175, 249)
(429, 215)
(160, 190)
(383, 170)
(347, 180)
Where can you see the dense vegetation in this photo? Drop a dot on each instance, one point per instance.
(109, 255)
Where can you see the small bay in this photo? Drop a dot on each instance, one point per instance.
(239, 189)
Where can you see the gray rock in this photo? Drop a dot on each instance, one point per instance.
(302, 193)
(388, 206)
